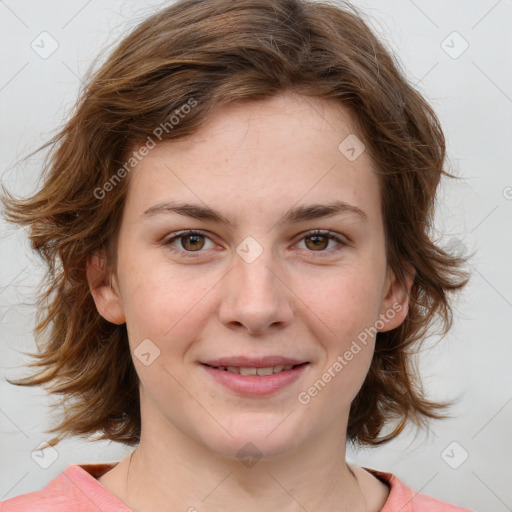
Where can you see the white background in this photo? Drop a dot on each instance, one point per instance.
(472, 95)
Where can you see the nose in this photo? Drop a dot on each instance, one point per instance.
(255, 297)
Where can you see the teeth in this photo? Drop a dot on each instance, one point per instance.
(265, 371)
(248, 371)
(269, 370)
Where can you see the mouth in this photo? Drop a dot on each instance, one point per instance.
(259, 371)
(256, 379)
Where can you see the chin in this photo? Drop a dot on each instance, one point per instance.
(254, 439)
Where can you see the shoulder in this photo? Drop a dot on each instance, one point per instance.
(404, 498)
(76, 488)
(37, 501)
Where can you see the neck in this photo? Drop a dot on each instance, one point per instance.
(187, 476)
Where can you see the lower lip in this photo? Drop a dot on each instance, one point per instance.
(254, 385)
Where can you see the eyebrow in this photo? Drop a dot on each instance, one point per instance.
(291, 216)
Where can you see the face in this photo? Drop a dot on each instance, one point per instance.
(268, 282)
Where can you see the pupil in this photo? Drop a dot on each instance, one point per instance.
(194, 243)
(317, 240)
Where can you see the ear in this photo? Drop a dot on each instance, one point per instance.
(395, 304)
(104, 291)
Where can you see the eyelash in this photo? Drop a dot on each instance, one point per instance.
(194, 254)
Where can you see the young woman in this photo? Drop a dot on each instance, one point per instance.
(236, 225)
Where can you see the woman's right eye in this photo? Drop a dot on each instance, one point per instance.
(194, 244)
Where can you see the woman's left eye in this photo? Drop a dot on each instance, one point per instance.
(321, 238)
(194, 241)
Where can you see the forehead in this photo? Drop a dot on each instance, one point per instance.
(260, 157)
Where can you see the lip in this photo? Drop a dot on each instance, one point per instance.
(254, 362)
(255, 385)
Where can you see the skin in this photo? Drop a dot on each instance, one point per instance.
(252, 161)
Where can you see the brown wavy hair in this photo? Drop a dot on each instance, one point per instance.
(211, 53)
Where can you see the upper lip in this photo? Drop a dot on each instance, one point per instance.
(254, 362)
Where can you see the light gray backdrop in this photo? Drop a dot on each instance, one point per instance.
(458, 54)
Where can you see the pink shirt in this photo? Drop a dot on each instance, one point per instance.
(76, 489)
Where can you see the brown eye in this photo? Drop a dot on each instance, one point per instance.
(187, 243)
(195, 242)
(317, 242)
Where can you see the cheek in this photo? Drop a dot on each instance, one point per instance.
(345, 312)
(347, 349)
(163, 304)
(345, 301)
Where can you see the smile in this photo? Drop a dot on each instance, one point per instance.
(269, 370)
(252, 381)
